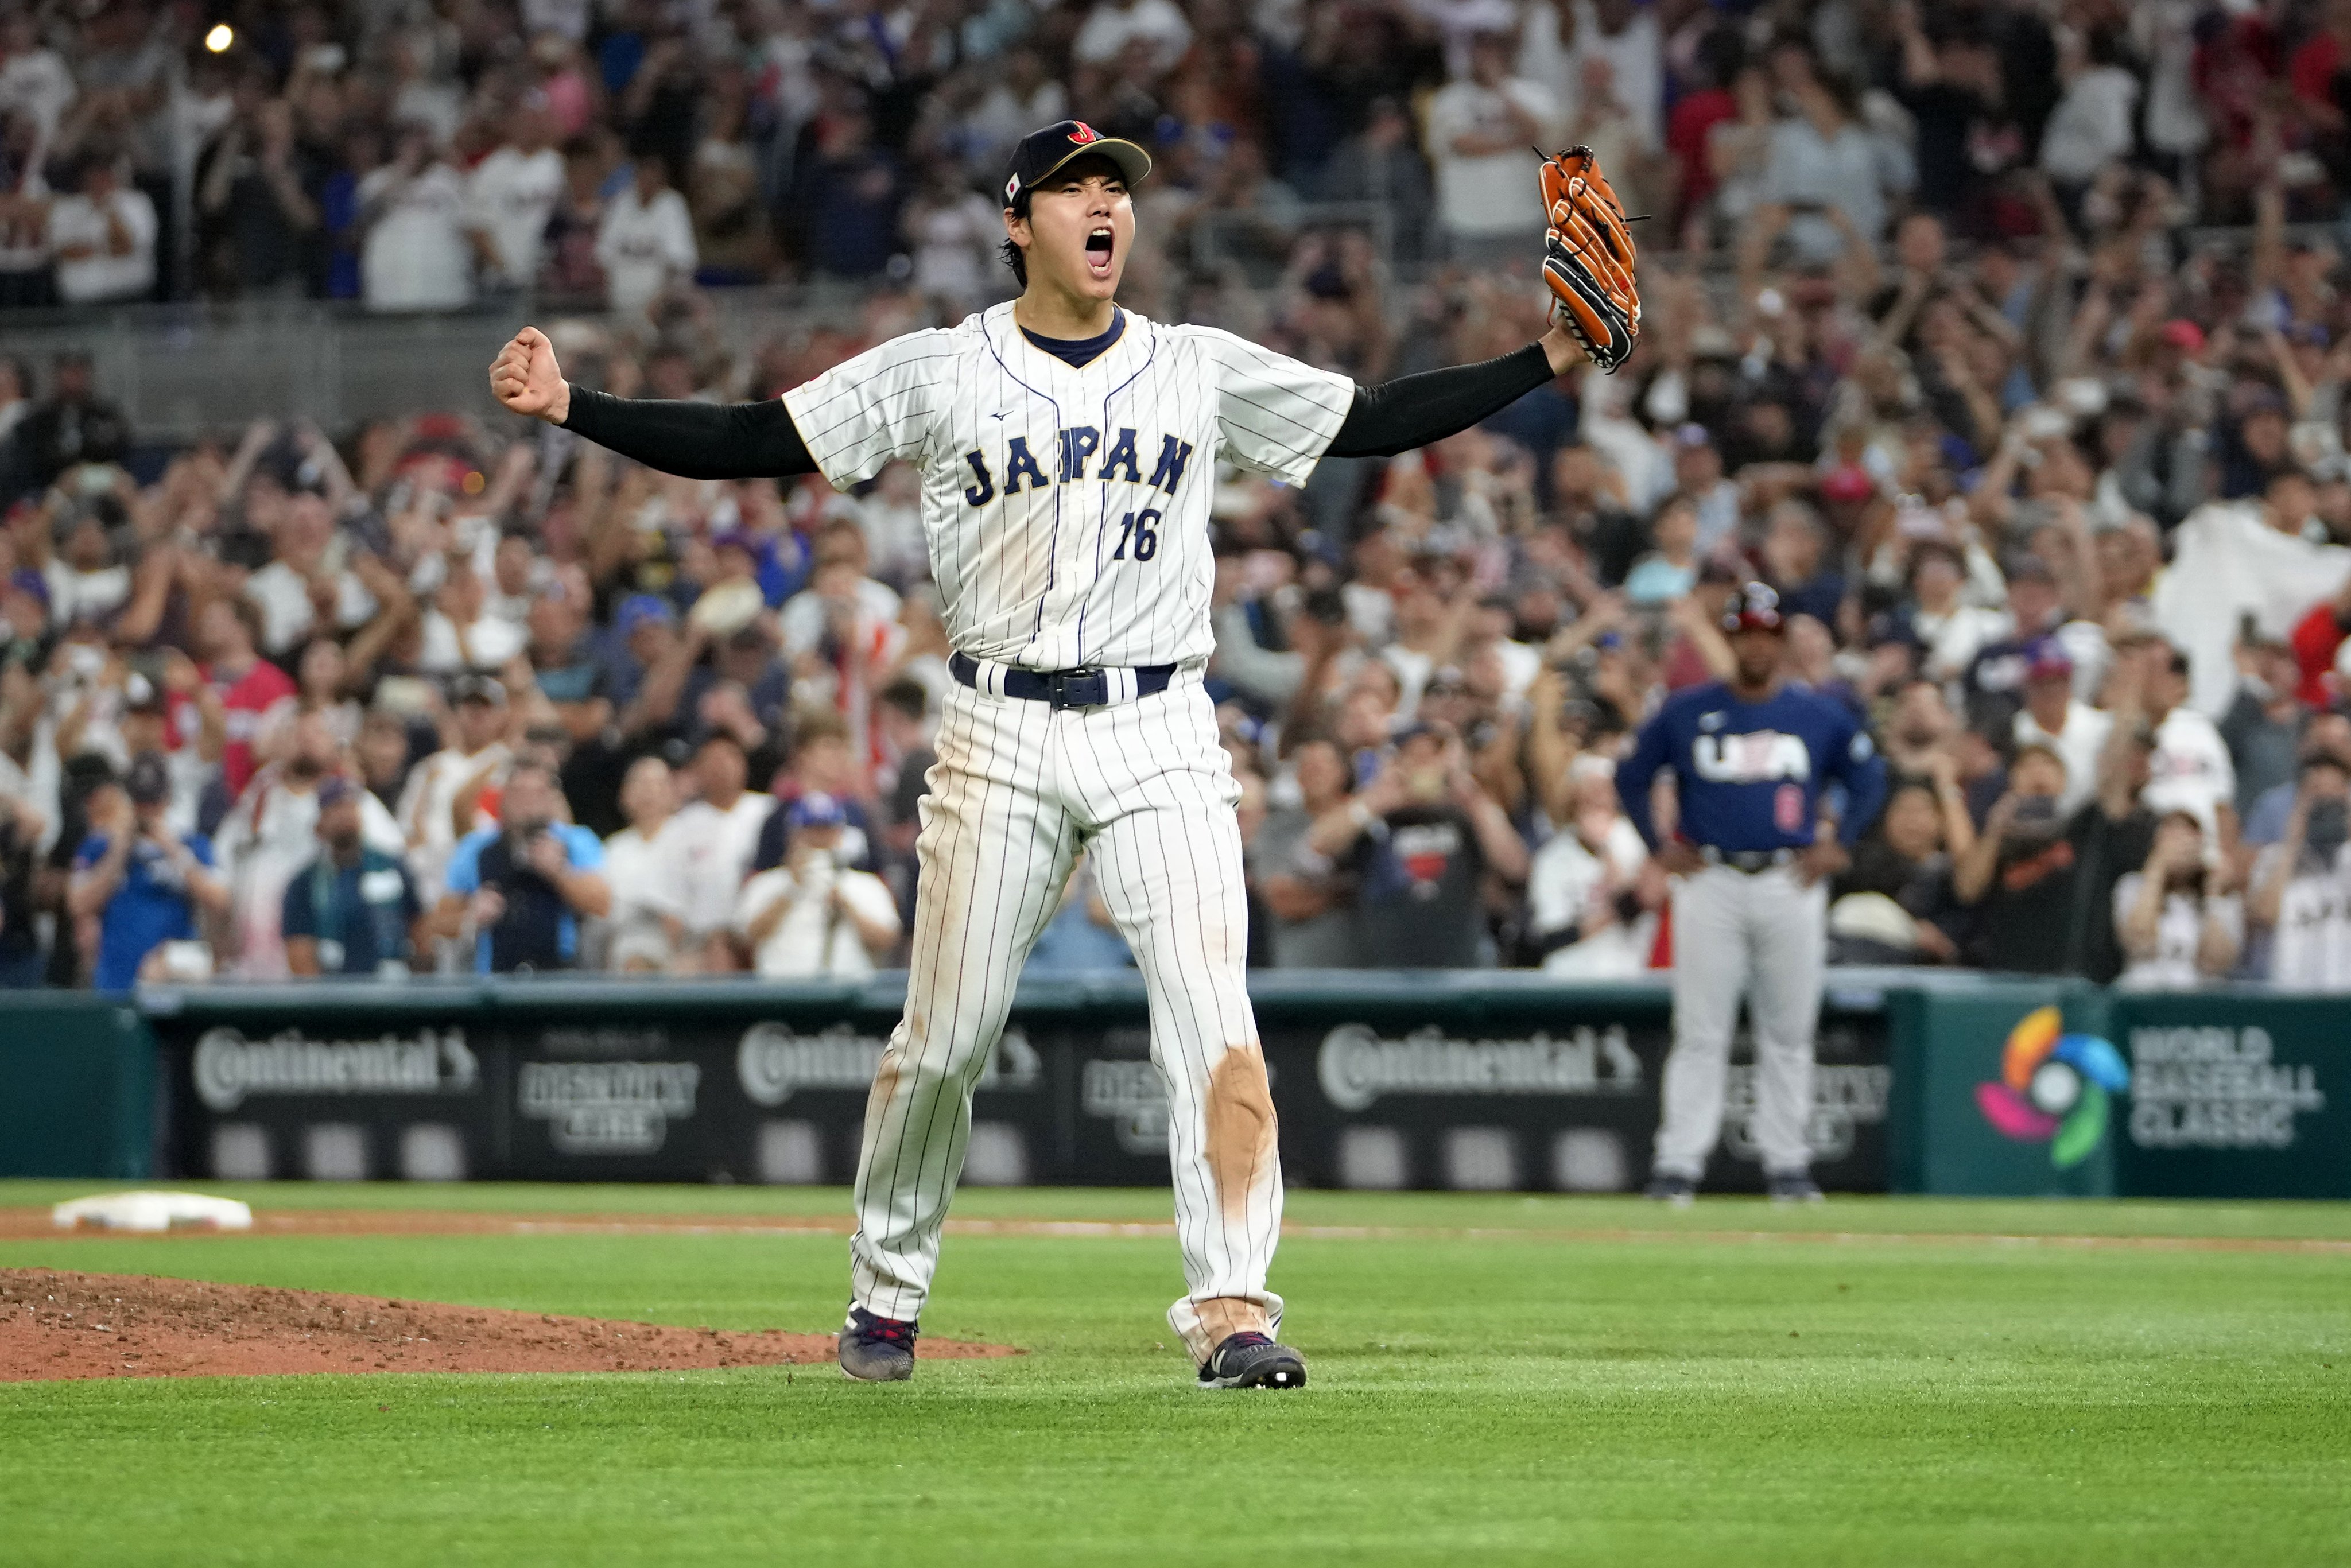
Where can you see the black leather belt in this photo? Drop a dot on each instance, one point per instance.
(1063, 688)
(1751, 862)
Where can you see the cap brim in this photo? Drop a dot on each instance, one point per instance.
(1134, 163)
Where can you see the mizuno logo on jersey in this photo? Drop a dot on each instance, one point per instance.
(1070, 453)
(1759, 756)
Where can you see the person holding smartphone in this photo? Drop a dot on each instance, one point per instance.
(142, 885)
(521, 888)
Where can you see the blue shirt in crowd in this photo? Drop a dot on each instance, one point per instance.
(151, 907)
(537, 920)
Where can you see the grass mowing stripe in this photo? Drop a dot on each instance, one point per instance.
(1672, 1400)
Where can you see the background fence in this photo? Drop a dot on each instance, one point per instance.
(1463, 1082)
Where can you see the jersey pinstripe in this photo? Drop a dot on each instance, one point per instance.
(1067, 508)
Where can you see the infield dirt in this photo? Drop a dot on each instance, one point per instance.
(62, 1325)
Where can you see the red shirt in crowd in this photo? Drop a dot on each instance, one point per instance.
(247, 701)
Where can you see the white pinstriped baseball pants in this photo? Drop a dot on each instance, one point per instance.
(1019, 789)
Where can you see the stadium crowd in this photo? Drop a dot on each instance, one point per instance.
(2052, 492)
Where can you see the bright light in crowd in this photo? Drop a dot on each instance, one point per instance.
(220, 37)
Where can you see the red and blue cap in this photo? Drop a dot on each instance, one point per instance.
(1753, 607)
(1041, 153)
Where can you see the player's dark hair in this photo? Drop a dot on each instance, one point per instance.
(1014, 256)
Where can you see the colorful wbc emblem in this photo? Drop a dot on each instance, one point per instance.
(2052, 1088)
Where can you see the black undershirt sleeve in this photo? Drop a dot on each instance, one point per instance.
(694, 440)
(1413, 411)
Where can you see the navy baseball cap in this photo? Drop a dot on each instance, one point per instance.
(1041, 153)
(640, 607)
(817, 809)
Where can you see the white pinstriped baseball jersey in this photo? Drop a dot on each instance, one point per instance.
(1066, 508)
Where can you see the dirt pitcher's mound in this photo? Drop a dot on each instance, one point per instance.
(65, 1325)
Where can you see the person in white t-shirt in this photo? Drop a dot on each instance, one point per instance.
(35, 80)
(291, 587)
(645, 241)
(2054, 717)
(713, 841)
(648, 918)
(1112, 25)
(814, 915)
(2176, 927)
(440, 803)
(1481, 130)
(2301, 891)
(2189, 769)
(103, 237)
(1584, 896)
(416, 256)
(510, 195)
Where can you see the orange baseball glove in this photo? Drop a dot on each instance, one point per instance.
(1588, 259)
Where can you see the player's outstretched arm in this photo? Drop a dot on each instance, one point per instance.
(1413, 411)
(693, 440)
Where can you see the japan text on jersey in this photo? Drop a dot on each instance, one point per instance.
(1066, 507)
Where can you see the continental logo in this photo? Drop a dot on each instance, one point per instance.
(228, 1067)
(607, 1107)
(1356, 1066)
(774, 1062)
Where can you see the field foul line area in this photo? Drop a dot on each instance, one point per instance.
(23, 1223)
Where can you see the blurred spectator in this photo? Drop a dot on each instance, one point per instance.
(645, 239)
(71, 427)
(253, 694)
(713, 839)
(22, 829)
(1588, 909)
(2053, 717)
(417, 255)
(1418, 841)
(2039, 883)
(1480, 127)
(816, 913)
(103, 237)
(142, 886)
(446, 791)
(647, 929)
(2300, 889)
(2175, 924)
(272, 831)
(511, 195)
(1309, 899)
(1895, 904)
(521, 886)
(352, 910)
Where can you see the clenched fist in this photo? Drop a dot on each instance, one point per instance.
(527, 380)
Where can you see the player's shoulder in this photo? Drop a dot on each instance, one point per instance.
(1684, 706)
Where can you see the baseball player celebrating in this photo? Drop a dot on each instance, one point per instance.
(1068, 451)
(1749, 757)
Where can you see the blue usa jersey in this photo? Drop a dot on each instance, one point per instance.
(1749, 775)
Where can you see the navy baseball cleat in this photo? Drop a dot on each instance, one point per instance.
(1677, 1190)
(877, 1350)
(1793, 1187)
(1248, 1360)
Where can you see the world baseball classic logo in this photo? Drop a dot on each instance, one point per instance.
(2053, 1088)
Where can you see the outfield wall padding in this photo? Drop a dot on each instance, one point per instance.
(1435, 1080)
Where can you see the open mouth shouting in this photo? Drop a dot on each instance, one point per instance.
(1098, 251)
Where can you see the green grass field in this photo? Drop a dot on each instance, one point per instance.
(1496, 1379)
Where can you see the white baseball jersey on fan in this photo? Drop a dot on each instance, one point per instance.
(1066, 513)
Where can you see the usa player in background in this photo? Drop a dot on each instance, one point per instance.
(1751, 855)
(1068, 450)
